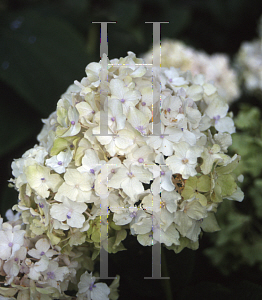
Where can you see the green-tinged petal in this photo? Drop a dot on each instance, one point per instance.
(227, 184)
(209, 223)
(201, 198)
(230, 167)
(204, 183)
(77, 238)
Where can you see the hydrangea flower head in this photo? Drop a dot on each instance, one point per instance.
(103, 143)
(215, 67)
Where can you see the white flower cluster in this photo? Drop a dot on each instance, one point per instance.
(185, 168)
(34, 269)
(249, 62)
(215, 67)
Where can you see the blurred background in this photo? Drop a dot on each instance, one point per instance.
(46, 45)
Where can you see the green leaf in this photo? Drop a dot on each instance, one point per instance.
(248, 117)
(40, 56)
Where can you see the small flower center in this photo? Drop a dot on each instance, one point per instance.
(50, 275)
(130, 174)
(133, 214)
(169, 109)
(163, 204)
(77, 186)
(184, 160)
(42, 253)
(60, 163)
(113, 171)
(92, 285)
(161, 136)
(73, 122)
(140, 160)
(41, 205)
(143, 103)
(113, 119)
(10, 244)
(141, 129)
(216, 118)
(123, 100)
(162, 173)
(69, 215)
(93, 112)
(92, 171)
